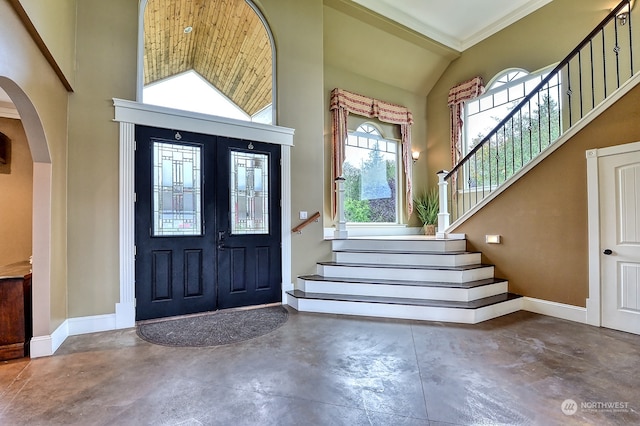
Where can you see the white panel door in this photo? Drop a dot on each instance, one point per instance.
(620, 240)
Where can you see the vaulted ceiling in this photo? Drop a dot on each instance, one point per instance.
(222, 40)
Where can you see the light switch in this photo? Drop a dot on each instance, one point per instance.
(303, 215)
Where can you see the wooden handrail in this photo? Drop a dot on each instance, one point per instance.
(313, 218)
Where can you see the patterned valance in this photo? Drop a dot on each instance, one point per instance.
(458, 95)
(344, 102)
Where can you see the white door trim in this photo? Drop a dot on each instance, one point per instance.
(128, 114)
(594, 301)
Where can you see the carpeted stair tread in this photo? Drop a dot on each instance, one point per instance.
(466, 285)
(474, 304)
(390, 266)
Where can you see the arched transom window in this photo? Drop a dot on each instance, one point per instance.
(209, 56)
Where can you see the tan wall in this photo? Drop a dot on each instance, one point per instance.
(23, 64)
(106, 69)
(369, 55)
(297, 29)
(16, 189)
(336, 77)
(543, 217)
(55, 22)
(536, 41)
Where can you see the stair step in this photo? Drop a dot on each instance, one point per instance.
(453, 258)
(403, 289)
(400, 244)
(451, 274)
(468, 284)
(470, 312)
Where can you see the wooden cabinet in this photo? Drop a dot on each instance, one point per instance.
(15, 310)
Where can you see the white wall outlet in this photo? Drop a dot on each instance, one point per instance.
(303, 215)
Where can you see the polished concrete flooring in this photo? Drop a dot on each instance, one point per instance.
(331, 370)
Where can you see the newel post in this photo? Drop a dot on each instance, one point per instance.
(341, 232)
(443, 214)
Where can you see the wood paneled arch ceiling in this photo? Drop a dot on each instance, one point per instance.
(228, 46)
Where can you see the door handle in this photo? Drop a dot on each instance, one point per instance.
(221, 235)
(607, 252)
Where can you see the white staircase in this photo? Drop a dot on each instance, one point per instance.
(410, 277)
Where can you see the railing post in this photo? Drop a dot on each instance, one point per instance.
(341, 232)
(443, 214)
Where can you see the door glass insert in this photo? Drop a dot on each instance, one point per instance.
(249, 193)
(177, 190)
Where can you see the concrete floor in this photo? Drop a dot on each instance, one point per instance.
(330, 370)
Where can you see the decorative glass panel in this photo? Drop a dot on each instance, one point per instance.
(177, 185)
(249, 192)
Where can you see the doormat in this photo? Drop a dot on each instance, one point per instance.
(215, 328)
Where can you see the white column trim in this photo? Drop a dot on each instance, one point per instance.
(594, 301)
(125, 309)
(287, 283)
(593, 229)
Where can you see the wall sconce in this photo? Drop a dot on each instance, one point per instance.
(493, 239)
(623, 14)
(415, 155)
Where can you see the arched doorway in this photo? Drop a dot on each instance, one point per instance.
(42, 196)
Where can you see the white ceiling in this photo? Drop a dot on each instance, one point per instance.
(458, 24)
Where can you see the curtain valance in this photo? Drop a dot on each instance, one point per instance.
(458, 95)
(344, 102)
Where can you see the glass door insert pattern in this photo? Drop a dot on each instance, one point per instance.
(249, 193)
(177, 189)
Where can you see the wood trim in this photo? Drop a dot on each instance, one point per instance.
(33, 32)
(313, 218)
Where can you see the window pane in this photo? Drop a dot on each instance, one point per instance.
(249, 193)
(370, 182)
(176, 190)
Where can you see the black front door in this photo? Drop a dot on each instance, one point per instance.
(207, 223)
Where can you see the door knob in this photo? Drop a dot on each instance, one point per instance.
(607, 252)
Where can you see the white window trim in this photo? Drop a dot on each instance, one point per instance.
(493, 91)
(399, 176)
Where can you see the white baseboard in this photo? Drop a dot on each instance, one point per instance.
(40, 346)
(555, 309)
(47, 345)
(91, 324)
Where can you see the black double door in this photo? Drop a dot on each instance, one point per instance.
(208, 223)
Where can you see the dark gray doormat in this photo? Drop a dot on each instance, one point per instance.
(215, 328)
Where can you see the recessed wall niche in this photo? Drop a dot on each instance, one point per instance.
(5, 154)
